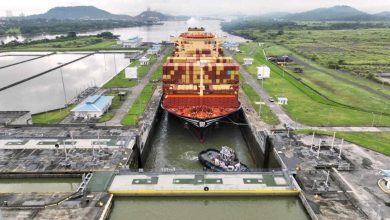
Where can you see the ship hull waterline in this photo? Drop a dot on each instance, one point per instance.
(200, 125)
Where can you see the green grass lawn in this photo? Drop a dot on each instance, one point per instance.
(52, 117)
(116, 104)
(306, 106)
(282, 50)
(78, 43)
(141, 102)
(376, 141)
(106, 116)
(361, 52)
(158, 74)
(119, 81)
(266, 114)
(139, 105)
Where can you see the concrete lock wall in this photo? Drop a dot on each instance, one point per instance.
(259, 143)
(23, 120)
(146, 132)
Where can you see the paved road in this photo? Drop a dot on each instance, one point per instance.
(284, 118)
(135, 92)
(275, 108)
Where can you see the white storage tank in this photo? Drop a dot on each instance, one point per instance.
(263, 72)
(131, 73)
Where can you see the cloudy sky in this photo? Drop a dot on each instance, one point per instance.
(192, 7)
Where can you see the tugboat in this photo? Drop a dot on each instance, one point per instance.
(224, 160)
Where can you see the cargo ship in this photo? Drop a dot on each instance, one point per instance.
(200, 84)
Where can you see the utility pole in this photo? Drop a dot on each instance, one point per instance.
(66, 154)
(334, 136)
(260, 103)
(63, 85)
(341, 147)
(319, 148)
(312, 142)
(327, 179)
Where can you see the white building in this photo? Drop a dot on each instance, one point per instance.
(263, 72)
(131, 72)
(282, 100)
(233, 46)
(152, 51)
(92, 107)
(132, 42)
(144, 61)
(157, 46)
(248, 61)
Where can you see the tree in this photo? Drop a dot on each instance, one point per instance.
(333, 65)
(72, 34)
(106, 34)
(314, 57)
(341, 62)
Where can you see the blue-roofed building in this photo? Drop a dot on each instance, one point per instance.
(132, 42)
(92, 107)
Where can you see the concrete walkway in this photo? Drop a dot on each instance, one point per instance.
(217, 184)
(135, 92)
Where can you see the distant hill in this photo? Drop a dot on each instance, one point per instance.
(160, 16)
(153, 14)
(80, 13)
(336, 13)
(275, 15)
(385, 14)
(93, 13)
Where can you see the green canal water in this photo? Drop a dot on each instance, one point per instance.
(214, 208)
(174, 146)
(27, 185)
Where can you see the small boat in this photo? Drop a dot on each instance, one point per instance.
(224, 160)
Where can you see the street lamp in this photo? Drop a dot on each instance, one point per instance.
(63, 84)
(260, 103)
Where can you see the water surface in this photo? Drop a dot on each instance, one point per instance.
(28, 185)
(174, 146)
(46, 92)
(154, 33)
(214, 208)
